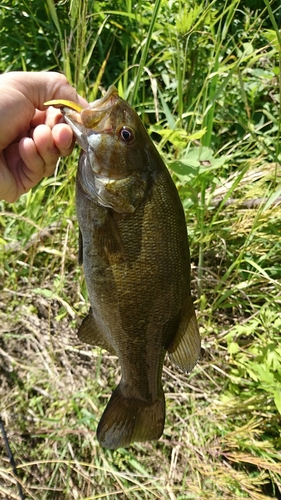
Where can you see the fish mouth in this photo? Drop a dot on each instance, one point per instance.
(106, 102)
(95, 119)
(73, 119)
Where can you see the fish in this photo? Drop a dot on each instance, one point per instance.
(133, 244)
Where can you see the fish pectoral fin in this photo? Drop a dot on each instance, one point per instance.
(90, 333)
(185, 349)
(109, 239)
(126, 420)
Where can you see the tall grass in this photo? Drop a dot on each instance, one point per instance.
(205, 78)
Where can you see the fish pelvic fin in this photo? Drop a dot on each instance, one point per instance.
(185, 349)
(80, 252)
(126, 420)
(90, 333)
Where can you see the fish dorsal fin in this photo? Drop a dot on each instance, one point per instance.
(90, 333)
(186, 346)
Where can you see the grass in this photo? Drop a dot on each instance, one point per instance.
(206, 81)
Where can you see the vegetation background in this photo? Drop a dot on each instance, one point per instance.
(205, 77)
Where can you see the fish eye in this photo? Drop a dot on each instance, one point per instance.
(127, 134)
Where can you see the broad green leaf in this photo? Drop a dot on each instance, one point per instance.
(277, 400)
(272, 198)
(197, 160)
(169, 117)
(48, 294)
(233, 348)
(272, 38)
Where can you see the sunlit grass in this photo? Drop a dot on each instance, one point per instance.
(211, 99)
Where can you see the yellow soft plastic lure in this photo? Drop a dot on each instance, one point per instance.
(60, 103)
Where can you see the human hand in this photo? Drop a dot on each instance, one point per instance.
(31, 136)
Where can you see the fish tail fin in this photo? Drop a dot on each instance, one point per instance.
(126, 420)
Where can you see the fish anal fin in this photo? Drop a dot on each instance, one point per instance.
(126, 420)
(90, 333)
(186, 346)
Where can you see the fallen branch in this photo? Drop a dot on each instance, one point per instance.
(254, 203)
(11, 459)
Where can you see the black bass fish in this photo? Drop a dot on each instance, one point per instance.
(134, 248)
